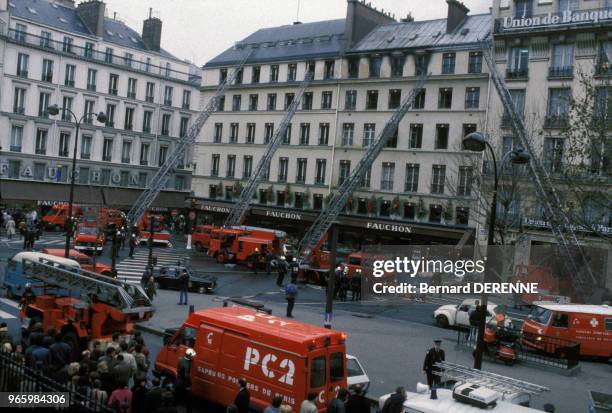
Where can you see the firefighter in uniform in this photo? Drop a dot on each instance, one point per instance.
(433, 356)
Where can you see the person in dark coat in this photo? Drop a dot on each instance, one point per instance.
(475, 315)
(243, 398)
(433, 356)
(60, 352)
(395, 402)
(133, 244)
(337, 405)
(281, 268)
(154, 396)
(294, 268)
(184, 287)
(255, 260)
(183, 379)
(139, 395)
(268, 259)
(122, 372)
(358, 403)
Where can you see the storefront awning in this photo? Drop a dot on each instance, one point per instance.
(24, 191)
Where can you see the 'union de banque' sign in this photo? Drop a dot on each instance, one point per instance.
(554, 19)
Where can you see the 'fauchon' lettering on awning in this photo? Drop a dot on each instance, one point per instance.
(389, 227)
(286, 215)
(212, 208)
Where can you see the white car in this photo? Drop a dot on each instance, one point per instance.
(458, 315)
(356, 374)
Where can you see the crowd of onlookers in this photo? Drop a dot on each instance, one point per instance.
(29, 226)
(112, 374)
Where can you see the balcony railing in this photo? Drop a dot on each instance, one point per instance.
(69, 83)
(517, 73)
(106, 158)
(19, 110)
(22, 73)
(186, 106)
(15, 148)
(149, 99)
(561, 72)
(110, 124)
(165, 132)
(113, 92)
(131, 95)
(47, 77)
(91, 87)
(87, 53)
(146, 129)
(125, 160)
(556, 121)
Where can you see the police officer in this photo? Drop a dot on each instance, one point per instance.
(294, 268)
(184, 287)
(433, 356)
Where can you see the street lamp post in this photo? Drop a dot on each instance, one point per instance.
(477, 142)
(101, 117)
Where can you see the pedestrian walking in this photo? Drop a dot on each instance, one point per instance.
(255, 260)
(268, 259)
(122, 237)
(358, 403)
(133, 244)
(281, 268)
(395, 402)
(433, 356)
(337, 276)
(184, 287)
(355, 286)
(99, 396)
(475, 313)
(309, 405)
(336, 405)
(150, 288)
(344, 284)
(10, 227)
(243, 398)
(291, 293)
(139, 395)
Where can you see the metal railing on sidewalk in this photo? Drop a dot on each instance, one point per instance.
(16, 377)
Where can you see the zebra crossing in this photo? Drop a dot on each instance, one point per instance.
(131, 269)
(48, 241)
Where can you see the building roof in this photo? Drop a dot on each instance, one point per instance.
(66, 18)
(296, 41)
(430, 33)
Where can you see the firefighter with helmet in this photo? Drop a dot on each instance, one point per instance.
(28, 296)
(183, 378)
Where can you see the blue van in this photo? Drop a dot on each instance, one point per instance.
(15, 279)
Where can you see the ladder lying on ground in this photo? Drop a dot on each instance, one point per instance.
(497, 382)
(236, 214)
(160, 179)
(338, 199)
(126, 297)
(559, 221)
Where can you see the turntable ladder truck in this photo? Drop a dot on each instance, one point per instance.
(160, 179)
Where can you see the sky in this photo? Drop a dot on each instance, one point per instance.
(198, 30)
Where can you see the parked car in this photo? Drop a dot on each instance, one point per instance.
(458, 315)
(356, 374)
(168, 278)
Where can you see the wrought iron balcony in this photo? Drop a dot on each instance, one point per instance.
(522, 73)
(561, 72)
(556, 121)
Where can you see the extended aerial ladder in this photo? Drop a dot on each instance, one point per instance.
(159, 180)
(559, 221)
(338, 199)
(237, 212)
(127, 298)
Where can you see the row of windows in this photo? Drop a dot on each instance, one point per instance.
(387, 183)
(85, 175)
(524, 8)
(397, 64)
(64, 147)
(44, 101)
(91, 82)
(562, 61)
(414, 138)
(88, 51)
(445, 100)
(411, 211)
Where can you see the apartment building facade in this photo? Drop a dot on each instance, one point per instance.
(420, 188)
(551, 52)
(74, 56)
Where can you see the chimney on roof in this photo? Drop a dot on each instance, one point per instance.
(361, 19)
(457, 12)
(151, 32)
(92, 14)
(408, 18)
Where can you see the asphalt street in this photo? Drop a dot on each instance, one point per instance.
(390, 338)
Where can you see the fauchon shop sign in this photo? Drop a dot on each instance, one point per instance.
(558, 19)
